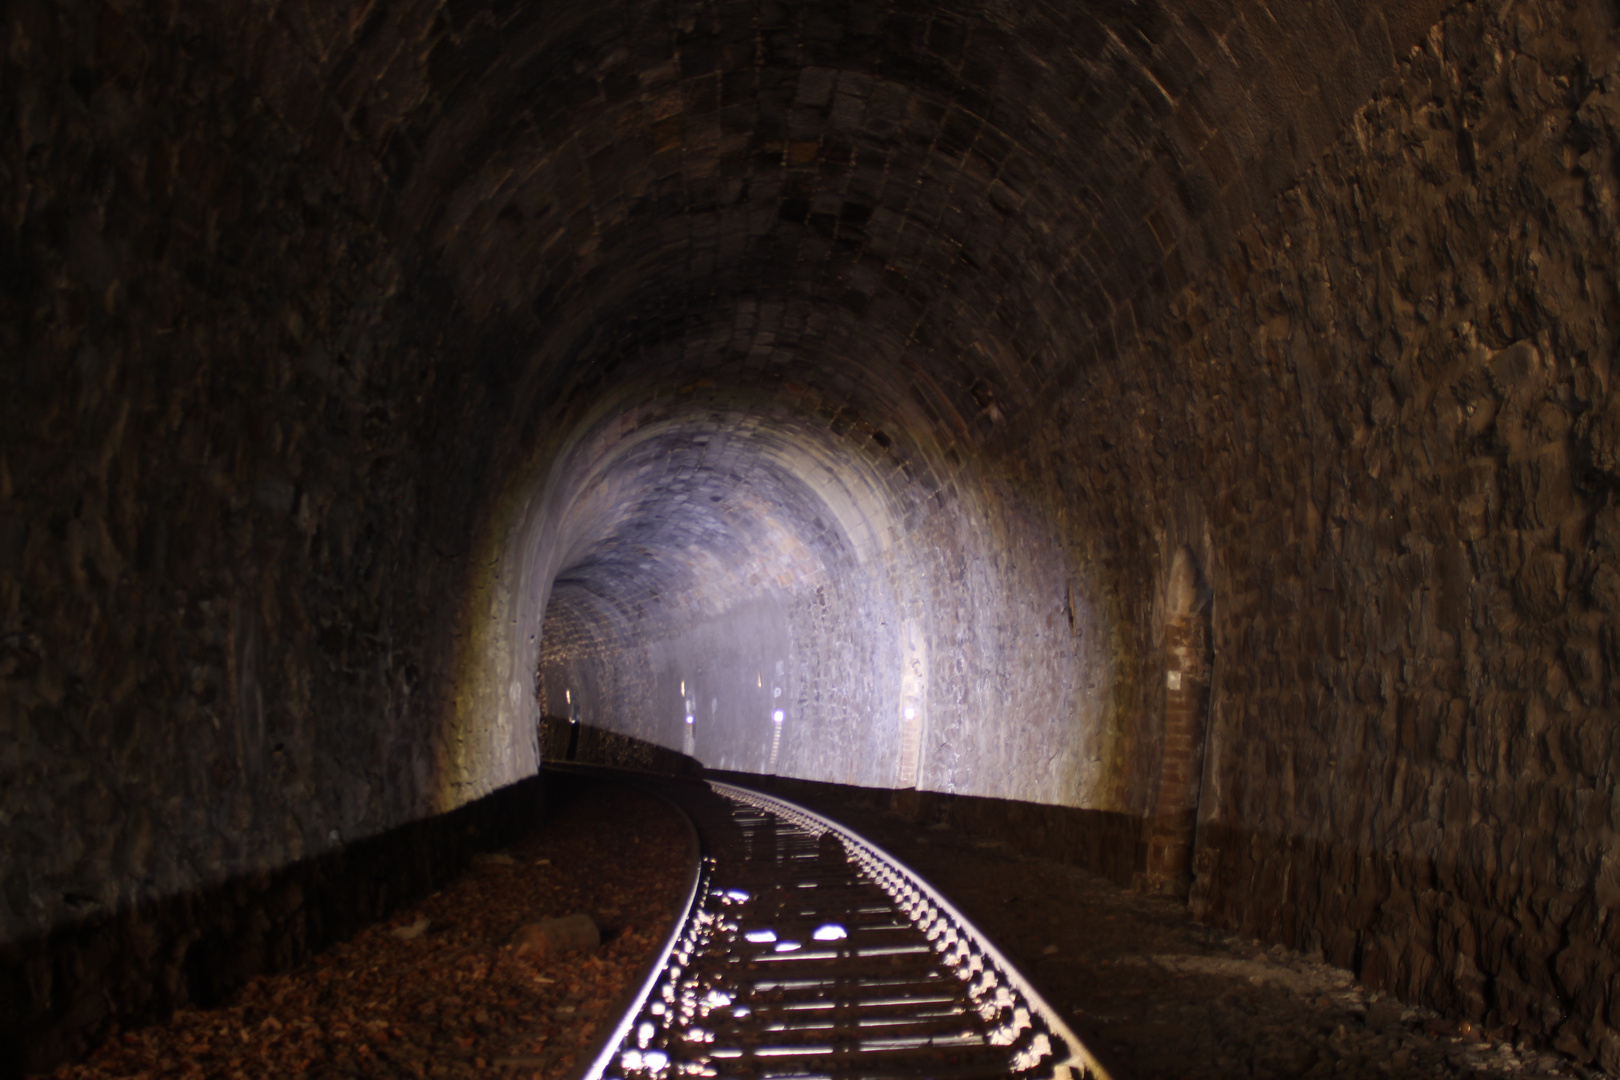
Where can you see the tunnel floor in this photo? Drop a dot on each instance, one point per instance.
(1161, 997)
(438, 990)
(1168, 999)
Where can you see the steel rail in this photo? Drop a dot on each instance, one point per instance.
(678, 928)
(953, 934)
(900, 985)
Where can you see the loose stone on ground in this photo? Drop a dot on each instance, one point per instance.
(441, 989)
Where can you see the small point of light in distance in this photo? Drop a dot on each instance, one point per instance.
(761, 937)
(830, 932)
(568, 696)
(777, 716)
(689, 718)
(683, 688)
(736, 894)
(911, 714)
(787, 946)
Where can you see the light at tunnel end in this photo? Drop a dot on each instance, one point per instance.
(946, 642)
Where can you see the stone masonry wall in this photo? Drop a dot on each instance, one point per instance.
(222, 640)
(247, 441)
(1394, 412)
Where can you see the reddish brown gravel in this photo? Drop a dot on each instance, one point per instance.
(454, 1000)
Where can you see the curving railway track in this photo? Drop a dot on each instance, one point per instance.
(807, 951)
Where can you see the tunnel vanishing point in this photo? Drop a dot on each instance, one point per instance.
(1198, 420)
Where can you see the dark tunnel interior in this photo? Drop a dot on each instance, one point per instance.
(1192, 415)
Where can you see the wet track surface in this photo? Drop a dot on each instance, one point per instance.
(811, 953)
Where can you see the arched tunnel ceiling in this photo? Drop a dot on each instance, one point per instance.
(749, 246)
(992, 190)
(680, 511)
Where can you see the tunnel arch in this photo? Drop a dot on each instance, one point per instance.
(671, 512)
(316, 312)
(677, 199)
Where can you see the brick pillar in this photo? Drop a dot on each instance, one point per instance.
(1186, 705)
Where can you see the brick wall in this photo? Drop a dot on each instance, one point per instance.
(1389, 410)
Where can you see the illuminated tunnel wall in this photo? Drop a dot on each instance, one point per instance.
(820, 604)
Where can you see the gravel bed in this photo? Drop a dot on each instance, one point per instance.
(1165, 998)
(1159, 995)
(438, 990)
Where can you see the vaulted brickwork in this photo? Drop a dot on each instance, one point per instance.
(828, 390)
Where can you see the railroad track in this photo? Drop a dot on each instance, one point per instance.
(807, 951)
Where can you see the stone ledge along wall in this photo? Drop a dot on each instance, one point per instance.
(1389, 415)
(593, 745)
(1105, 842)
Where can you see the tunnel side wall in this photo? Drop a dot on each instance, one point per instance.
(225, 616)
(1396, 404)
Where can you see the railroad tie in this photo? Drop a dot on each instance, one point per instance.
(807, 951)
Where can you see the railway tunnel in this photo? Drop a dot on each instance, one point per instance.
(1192, 417)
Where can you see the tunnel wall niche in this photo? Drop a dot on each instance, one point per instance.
(1172, 826)
(1410, 471)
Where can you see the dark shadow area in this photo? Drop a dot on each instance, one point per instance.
(561, 740)
(1101, 841)
(62, 994)
(1104, 842)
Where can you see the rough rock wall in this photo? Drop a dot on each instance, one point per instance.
(214, 570)
(1393, 414)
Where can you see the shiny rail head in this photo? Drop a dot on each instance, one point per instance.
(996, 981)
(684, 1024)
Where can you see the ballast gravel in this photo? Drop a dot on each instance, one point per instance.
(439, 990)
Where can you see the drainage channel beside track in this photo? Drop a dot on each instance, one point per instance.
(808, 952)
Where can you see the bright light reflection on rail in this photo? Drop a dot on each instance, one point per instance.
(967, 1006)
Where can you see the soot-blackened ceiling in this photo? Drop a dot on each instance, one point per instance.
(994, 189)
(350, 335)
(883, 235)
(867, 248)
